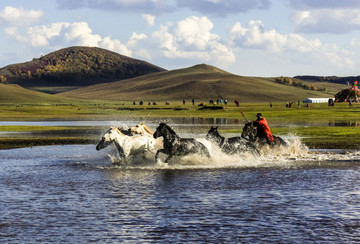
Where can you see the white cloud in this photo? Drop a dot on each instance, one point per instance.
(270, 43)
(65, 34)
(355, 42)
(331, 16)
(190, 39)
(114, 45)
(327, 20)
(149, 19)
(18, 16)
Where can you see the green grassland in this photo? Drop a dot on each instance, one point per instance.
(316, 125)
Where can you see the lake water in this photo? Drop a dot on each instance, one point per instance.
(75, 194)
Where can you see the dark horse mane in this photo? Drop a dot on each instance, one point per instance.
(125, 132)
(168, 128)
(230, 145)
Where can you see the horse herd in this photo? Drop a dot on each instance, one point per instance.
(141, 139)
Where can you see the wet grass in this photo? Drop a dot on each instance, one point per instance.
(10, 143)
(30, 136)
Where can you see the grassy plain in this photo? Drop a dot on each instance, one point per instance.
(319, 125)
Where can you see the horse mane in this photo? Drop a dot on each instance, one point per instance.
(168, 128)
(122, 131)
(146, 128)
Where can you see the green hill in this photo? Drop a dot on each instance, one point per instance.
(15, 94)
(75, 66)
(202, 82)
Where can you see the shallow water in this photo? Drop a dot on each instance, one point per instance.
(74, 194)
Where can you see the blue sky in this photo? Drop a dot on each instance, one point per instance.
(245, 37)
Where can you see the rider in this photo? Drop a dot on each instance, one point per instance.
(263, 129)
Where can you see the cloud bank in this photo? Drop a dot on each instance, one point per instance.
(11, 16)
(190, 39)
(62, 34)
(255, 36)
(331, 16)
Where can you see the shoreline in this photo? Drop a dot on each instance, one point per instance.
(319, 126)
(32, 136)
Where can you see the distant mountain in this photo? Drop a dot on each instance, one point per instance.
(331, 79)
(201, 82)
(75, 66)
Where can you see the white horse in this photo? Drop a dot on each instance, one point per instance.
(142, 129)
(126, 144)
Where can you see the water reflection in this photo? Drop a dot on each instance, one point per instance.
(130, 121)
(343, 123)
(228, 122)
(71, 194)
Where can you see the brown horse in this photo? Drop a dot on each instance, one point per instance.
(250, 132)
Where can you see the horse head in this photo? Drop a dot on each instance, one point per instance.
(141, 129)
(249, 131)
(160, 131)
(108, 138)
(138, 129)
(163, 130)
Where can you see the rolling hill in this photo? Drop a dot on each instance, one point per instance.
(75, 66)
(15, 94)
(202, 82)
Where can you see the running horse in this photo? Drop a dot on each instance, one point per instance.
(126, 143)
(231, 145)
(143, 129)
(250, 132)
(174, 145)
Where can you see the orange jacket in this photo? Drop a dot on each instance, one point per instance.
(263, 129)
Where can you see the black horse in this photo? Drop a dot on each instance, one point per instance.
(250, 132)
(230, 145)
(174, 145)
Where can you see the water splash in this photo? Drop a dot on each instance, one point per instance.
(269, 157)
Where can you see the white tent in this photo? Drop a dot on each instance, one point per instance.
(318, 100)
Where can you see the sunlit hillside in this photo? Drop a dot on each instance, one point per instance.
(75, 66)
(14, 94)
(203, 82)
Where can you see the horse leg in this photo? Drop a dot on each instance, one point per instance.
(121, 153)
(168, 158)
(157, 154)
